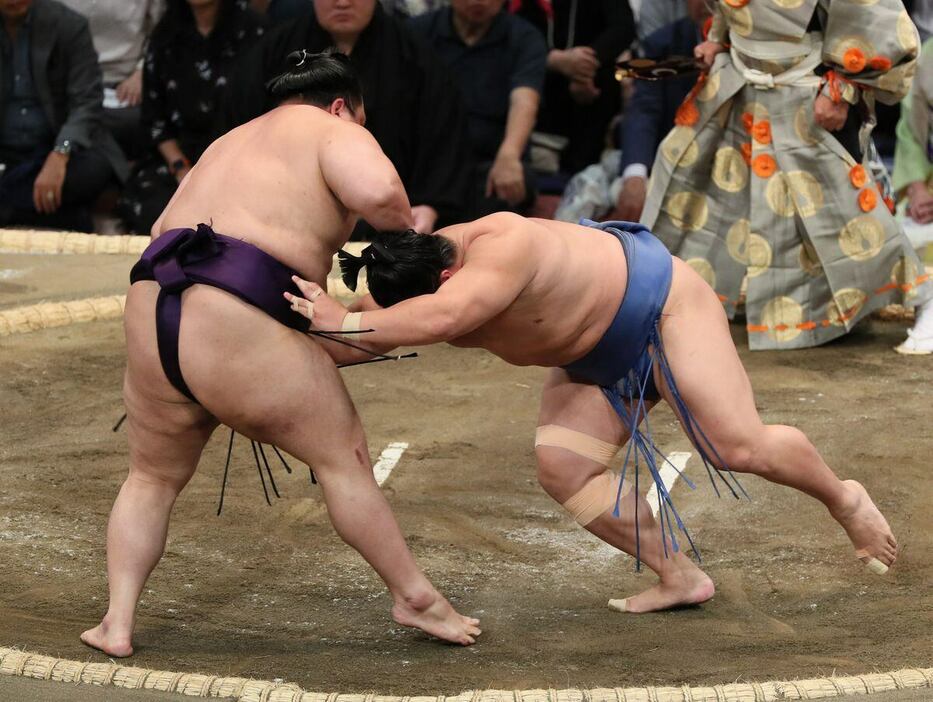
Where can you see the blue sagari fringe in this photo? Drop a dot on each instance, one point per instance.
(641, 445)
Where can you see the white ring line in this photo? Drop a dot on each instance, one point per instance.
(387, 460)
(669, 475)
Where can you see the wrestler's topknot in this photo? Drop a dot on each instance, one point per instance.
(400, 265)
(317, 79)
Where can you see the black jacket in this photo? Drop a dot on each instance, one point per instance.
(68, 80)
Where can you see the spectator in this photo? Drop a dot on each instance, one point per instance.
(655, 14)
(56, 156)
(650, 113)
(412, 108)
(913, 176)
(120, 29)
(188, 65)
(581, 95)
(498, 60)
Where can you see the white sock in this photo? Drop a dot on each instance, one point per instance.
(923, 327)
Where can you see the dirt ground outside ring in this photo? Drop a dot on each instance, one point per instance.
(269, 592)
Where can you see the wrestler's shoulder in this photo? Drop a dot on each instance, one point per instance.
(499, 234)
(505, 222)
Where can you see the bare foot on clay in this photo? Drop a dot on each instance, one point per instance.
(867, 528)
(688, 587)
(434, 615)
(104, 639)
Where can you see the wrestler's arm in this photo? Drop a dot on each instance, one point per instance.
(339, 352)
(363, 178)
(365, 303)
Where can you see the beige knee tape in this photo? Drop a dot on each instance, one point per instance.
(582, 444)
(596, 498)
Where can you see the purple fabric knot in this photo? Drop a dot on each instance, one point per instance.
(170, 276)
(180, 258)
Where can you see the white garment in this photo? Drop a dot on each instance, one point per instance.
(119, 29)
(592, 192)
(801, 75)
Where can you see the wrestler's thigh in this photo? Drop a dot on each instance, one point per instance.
(706, 366)
(581, 407)
(165, 430)
(267, 381)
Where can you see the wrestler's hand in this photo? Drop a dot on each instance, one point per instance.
(706, 52)
(828, 114)
(425, 217)
(325, 313)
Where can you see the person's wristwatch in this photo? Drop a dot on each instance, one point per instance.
(63, 148)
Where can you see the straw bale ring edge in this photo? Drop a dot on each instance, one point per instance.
(21, 663)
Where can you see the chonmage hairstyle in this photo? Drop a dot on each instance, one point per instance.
(399, 265)
(318, 79)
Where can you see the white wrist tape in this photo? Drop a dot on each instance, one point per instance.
(351, 323)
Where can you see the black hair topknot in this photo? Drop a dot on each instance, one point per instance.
(318, 79)
(399, 265)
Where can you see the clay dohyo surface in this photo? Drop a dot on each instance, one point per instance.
(271, 592)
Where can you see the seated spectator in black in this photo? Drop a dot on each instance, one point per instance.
(581, 95)
(412, 106)
(278, 11)
(649, 115)
(56, 156)
(120, 29)
(187, 70)
(499, 61)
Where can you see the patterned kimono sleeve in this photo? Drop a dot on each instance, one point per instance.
(719, 26)
(875, 46)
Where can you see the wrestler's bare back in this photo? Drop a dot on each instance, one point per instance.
(274, 182)
(576, 279)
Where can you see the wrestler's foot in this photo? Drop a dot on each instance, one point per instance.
(689, 586)
(874, 542)
(434, 615)
(103, 638)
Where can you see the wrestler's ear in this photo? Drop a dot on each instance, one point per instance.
(338, 106)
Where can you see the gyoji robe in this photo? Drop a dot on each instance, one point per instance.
(748, 184)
